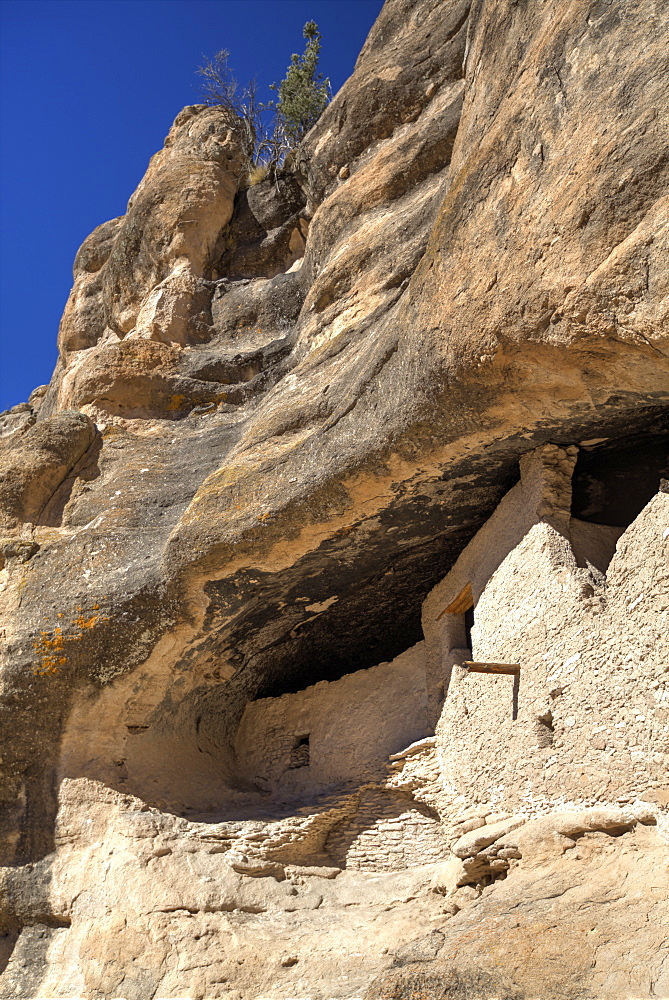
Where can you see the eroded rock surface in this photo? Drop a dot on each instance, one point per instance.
(279, 416)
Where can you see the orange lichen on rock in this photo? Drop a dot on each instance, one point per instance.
(50, 645)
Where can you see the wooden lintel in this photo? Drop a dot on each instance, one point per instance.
(491, 668)
(463, 602)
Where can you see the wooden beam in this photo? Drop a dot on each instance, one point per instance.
(491, 668)
(463, 602)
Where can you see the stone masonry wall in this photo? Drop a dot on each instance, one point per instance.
(388, 833)
(588, 721)
(543, 493)
(352, 725)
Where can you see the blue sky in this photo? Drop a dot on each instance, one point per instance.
(89, 89)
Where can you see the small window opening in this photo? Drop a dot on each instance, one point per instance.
(462, 611)
(299, 755)
(469, 624)
(544, 729)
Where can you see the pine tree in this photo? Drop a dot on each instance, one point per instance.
(269, 131)
(303, 93)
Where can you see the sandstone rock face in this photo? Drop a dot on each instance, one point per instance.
(144, 275)
(560, 945)
(299, 433)
(39, 462)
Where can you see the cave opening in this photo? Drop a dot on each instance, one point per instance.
(614, 480)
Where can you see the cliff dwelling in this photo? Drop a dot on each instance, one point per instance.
(532, 549)
(480, 670)
(334, 558)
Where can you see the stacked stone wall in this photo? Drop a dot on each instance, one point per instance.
(387, 833)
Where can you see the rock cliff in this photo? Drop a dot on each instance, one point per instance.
(310, 446)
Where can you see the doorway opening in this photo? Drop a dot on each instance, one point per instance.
(300, 754)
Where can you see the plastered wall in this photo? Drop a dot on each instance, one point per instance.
(353, 724)
(592, 703)
(543, 495)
